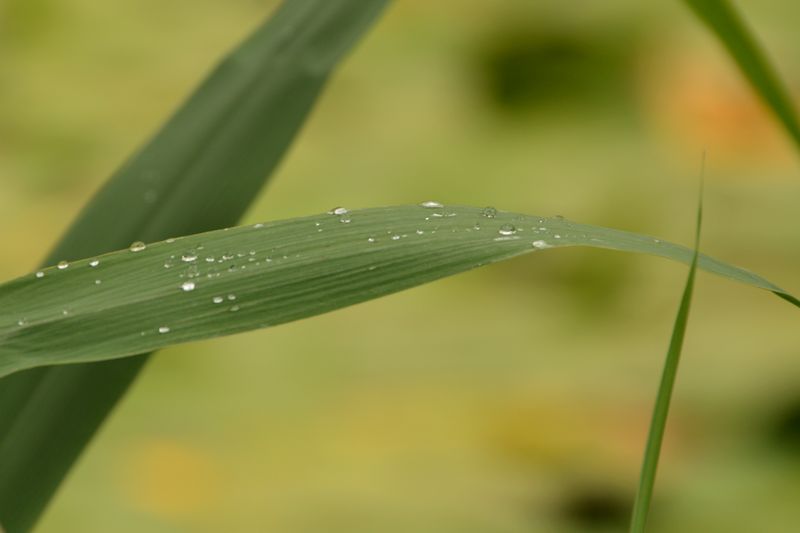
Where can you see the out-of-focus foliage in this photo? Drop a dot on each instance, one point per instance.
(400, 414)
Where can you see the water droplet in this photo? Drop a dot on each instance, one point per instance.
(209, 259)
(98, 281)
(556, 236)
(258, 226)
(370, 239)
(234, 308)
(188, 286)
(62, 265)
(419, 232)
(395, 237)
(189, 256)
(94, 262)
(22, 322)
(489, 212)
(338, 211)
(231, 297)
(40, 274)
(344, 220)
(171, 240)
(217, 299)
(477, 226)
(430, 204)
(507, 229)
(163, 329)
(65, 312)
(540, 245)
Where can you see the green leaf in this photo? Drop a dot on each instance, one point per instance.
(224, 282)
(199, 172)
(658, 422)
(726, 23)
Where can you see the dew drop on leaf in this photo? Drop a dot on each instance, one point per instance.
(62, 265)
(430, 204)
(188, 286)
(163, 329)
(489, 212)
(137, 246)
(507, 229)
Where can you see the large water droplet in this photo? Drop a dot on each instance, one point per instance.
(507, 229)
(62, 265)
(163, 329)
(338, 211)
(137, 246)
(489, 212)
(430, 204)
(188, 286)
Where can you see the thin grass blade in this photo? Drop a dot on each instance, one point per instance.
(225, 282)
(721, 17)
(199, 172)
(658, 422)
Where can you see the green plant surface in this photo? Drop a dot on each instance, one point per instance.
(721, 17)
(658, 423)
(199, 172)
(229, 281)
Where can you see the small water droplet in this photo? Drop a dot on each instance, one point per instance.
(419, 232)
(137, 246)
(163, 329)
(188, 286)
(338, 211)
(370, 239)
(489, 212)
(395, 237)
(507, 229)
(94, 262)
(234, 308)
(40, 274)
(231, 297)
(344, 219)
(556, 236)
(217, 299)
(171, 240)
(22, 322)
(430, 204)
(258, 226)
(65, 312)
(540, 245)
(98, 281)
(189, 256)
(209, 259)
(62, 265)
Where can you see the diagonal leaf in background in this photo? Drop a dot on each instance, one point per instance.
(199, 172)
(229, 281)
(721, 17)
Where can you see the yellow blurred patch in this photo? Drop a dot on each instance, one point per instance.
(171, 479)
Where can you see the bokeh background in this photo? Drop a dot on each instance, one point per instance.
(510, 399)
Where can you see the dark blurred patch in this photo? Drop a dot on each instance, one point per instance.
(526, 68)
(596, 508)
(784, 430)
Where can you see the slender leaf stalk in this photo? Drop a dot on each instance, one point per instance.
(658, 422)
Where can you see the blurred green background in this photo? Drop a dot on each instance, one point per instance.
(511, 399)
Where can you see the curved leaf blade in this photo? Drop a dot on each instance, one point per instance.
(721, 17)
(229, 281)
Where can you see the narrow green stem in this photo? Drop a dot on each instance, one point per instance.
(659, 420)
